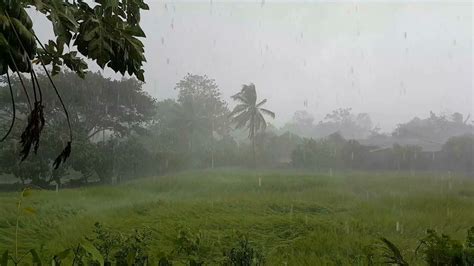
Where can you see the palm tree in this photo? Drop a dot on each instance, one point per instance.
(250, 113)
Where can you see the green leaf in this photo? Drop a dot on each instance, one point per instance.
(36, 259)
(95, 254)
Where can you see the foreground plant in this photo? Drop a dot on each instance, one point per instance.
(16, 257)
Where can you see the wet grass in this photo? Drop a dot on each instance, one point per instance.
(297, 218)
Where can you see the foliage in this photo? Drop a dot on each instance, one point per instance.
(107, 32)
(248, 113)
(100, 105)
(123, 249)
(298, 217)
(194, 249)
(458, 153)
(191, 127)
(435, 128)
(243, 253)
(391, 254)
(443, 250)
(343, 120)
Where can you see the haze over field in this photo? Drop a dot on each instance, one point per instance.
(245, 132)
(391, 60)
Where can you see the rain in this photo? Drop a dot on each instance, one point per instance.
(258, 132)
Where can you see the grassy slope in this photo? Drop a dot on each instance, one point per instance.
(298, 218)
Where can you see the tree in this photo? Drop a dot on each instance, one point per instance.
(250, 113)
(301, 124)
(193, 124)
(116, 108)
(458, 153)
(434, 129)
(106, 32)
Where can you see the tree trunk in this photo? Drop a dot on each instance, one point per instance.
(254, 152)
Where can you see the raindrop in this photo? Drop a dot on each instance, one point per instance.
(262, 3)
(162, 40)
(167, 61)
(172, 24)
(166, 6)
(454, 42)
(352, 70)
(405, 34)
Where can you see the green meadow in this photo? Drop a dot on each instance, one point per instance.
(294, 218)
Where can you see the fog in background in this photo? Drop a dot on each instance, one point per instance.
(391, 60)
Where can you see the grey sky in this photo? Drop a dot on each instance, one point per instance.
(392, 60)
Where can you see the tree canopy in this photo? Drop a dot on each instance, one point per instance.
(115, 108)
(106, 31)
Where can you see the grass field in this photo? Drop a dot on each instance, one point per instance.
(295, 218)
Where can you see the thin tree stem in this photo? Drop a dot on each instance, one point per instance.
(13, 109)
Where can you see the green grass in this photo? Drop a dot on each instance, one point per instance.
(297, 218)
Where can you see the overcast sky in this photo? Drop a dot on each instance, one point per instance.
(391, 60)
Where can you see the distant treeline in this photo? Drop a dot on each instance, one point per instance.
(121, 132)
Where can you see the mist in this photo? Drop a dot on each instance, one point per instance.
(373, 57)
(236, 133)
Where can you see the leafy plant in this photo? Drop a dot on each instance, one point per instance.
(391, 254)
(243, 253)
(122, 249)
(440, 249)
(105, 242)
(17, 258)
(193, 248)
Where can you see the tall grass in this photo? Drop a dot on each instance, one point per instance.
(295, 217)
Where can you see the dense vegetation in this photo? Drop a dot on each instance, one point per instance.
(344, 193)
(287, 216)
(121, 132)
